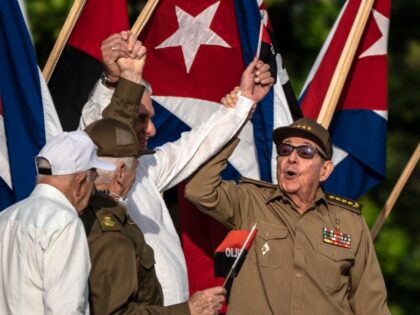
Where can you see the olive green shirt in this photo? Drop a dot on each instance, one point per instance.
(122, 278)
(290, 269)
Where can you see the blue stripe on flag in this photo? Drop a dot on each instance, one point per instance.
(249, 21)
(21, 99)
(362, 134)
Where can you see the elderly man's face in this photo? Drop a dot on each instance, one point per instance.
(300, 176)
(145, 128)
(129, 178)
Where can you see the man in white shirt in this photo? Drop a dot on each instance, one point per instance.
(173, 162)
(44, 256)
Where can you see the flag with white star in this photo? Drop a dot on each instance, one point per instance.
(197, 51)
(358, 127)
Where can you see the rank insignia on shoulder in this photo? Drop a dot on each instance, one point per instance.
(336, 238)
(344, 202)
(107, 221)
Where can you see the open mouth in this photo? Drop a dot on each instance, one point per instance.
(290, 174)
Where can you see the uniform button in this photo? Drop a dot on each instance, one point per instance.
(267, 234)
(299, 275)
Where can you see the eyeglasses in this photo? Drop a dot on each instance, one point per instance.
(304, 151)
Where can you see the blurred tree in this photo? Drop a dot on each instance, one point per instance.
(301, 27)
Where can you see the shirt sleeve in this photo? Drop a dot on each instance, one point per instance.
(66, 268)
(367, 292)
(99, 98)
(175, 161)
(114, 279)
(217, 198)
(123, 103)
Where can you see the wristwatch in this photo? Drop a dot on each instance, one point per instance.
(108, 83)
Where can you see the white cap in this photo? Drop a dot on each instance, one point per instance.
(70, 153)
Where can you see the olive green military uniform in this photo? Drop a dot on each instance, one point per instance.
(292, 267)
(122, 279)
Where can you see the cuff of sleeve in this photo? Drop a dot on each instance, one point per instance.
(131, 91)
(180, 309)
(243, 105)
(102, 94)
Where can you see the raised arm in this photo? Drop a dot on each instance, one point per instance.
(123, 57)
(178, 160)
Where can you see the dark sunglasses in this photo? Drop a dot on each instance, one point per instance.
(304, 151)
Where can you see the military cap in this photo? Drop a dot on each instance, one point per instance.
(308, 129)
(114, 138)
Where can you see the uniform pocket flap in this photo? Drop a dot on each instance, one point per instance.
(268, 231)
(335, 253)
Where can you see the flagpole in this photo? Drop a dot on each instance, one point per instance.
(344, 63)
(64, 35)
(235, 263)
(144, 16)
(389, 204)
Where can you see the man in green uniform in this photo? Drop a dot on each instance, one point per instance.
(123, 278)
(313, 253)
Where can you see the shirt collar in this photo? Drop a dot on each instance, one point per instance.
(53, 193)
(319, 199)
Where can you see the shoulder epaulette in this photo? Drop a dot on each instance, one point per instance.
(257, 182)
(344, 202)
(107, 221)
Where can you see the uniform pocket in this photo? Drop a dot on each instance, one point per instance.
(334, 264)
(269, 245)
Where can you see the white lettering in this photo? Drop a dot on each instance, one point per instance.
(232, 252)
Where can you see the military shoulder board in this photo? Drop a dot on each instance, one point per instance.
(107, 221)
(348, 204)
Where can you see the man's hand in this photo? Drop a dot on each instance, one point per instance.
(231, 98)
(256, 80)
(207, 302)
(112, 48)
(132, 66)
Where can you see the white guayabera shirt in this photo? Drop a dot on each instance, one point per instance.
(44, 256)
(172, 163)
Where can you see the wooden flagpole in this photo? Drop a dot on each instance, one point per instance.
(61, 41)
(389, 204)
(144, 16)
(344, 63)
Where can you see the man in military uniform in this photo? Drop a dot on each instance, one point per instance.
(313, 253)
(123, 278)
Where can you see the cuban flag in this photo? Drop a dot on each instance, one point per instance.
(27, 116)
(358, 127)
(80, 64)
(197, 51)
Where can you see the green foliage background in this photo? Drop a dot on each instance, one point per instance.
(301, 27)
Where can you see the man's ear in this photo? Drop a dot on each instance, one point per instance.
(79, 183)
(326, 170)
(119, 173)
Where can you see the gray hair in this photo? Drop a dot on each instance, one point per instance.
(105, 177)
